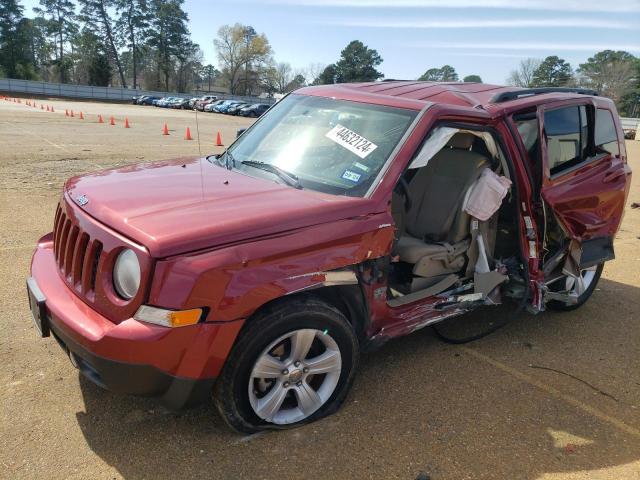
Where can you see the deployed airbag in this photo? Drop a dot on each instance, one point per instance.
(486, 194)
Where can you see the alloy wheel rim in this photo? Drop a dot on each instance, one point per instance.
(579, 285)
(294, 376)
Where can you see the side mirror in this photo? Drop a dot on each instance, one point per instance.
(240, 132)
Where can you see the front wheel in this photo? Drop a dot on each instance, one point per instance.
(582, 287)
(293, 364)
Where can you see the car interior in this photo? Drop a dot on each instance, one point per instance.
(441, 245)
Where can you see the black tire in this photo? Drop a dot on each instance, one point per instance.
(582, 299)
(230, 391)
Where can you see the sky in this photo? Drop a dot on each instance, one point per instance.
(483, 37)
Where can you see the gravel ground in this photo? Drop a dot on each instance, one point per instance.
(452, 412)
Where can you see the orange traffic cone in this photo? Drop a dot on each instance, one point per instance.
(165, 129)
(48, 108)
(41, 107)
(100, 120)
(112, 121)
(219, 140)
(52, 109)
(71, 114)
(66, 112)
(34, 105)
(187, 134)
(126, 122)
(81, 116)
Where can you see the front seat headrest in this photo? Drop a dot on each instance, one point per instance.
(463, 141)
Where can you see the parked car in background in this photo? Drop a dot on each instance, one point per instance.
(178, 102)
(203, 101)
(135, 98)
(234, 109)
(172, 101)
(148, 100)
(186, 104)
(254, 110)
(211, 106)
(224, 107)
(164, 102)
(159, 102)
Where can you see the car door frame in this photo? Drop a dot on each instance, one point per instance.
(391, 321)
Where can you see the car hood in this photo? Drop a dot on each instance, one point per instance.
(184, 205)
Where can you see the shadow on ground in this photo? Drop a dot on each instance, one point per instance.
(419, 405)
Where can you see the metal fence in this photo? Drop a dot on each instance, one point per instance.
(66, 90)
(630, 123)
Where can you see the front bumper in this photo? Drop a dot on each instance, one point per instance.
(178, 365)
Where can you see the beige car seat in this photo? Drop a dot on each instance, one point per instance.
(435, 234)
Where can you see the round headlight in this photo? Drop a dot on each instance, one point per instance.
(126, 274)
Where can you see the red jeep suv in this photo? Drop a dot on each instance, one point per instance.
(344, 217)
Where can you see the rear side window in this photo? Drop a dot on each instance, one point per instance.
(606, 138)
(566, 131)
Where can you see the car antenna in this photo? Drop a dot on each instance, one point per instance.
(198, 133)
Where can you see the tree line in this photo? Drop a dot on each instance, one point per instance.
(147, 44)
(127, 43)
(614, 74)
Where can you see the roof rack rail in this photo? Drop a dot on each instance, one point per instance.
(527, 92)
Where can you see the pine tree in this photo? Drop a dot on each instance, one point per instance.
(168, 35)
(16, 60)
(95, 14)
(60, 19)
(100, 70)
(552, 72)
(358, 63)
(133, 24)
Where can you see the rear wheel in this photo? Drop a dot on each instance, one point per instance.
(292, 365)
(582, 287)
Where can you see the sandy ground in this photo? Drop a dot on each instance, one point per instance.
(453, 412)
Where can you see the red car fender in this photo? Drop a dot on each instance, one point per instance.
(234, 281)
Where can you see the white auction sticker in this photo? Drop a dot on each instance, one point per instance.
(351, 141)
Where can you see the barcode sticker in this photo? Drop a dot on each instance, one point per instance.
(351, 141)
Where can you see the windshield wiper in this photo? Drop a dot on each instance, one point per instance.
(289, 178)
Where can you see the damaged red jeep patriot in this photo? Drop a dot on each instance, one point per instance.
(346, 216)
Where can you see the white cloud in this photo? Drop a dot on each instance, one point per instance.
(557, 47)
(487, 55)
(568, 22)
(557, 5)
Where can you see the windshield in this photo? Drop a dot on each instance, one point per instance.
(331, 146)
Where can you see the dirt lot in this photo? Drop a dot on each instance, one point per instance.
(457, 412)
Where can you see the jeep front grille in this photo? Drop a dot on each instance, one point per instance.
(76, 253)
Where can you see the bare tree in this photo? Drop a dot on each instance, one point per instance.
(284, 75)
(523, 76)
(238, 51)
(313, 71)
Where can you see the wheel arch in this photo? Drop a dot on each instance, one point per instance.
(349, 300)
